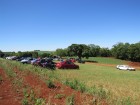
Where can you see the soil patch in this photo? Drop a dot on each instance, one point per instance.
(134, 64)
(53, 96)
(50, 94)
(7, 94)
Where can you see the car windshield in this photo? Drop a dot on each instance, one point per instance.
(123, 66)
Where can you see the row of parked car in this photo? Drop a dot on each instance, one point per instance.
(47, 62)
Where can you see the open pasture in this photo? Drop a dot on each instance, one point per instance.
(117, 86)
(121, 84)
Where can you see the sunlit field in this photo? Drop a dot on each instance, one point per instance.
(106, 60)
(121, 84)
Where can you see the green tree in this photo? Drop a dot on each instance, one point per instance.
(134, 52)
(120, 50)
(61, 52)
(80, 50)
(1, 54)
(34, 54)
(19, 54)
(45, 55)
(105, 52)
(94, 50)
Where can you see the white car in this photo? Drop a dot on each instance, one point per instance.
(125, 67)
(11, 57)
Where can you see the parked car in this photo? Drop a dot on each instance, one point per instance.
(34, 61)
(26, 60)
(80, 61)
(73, 59)
(125, 67)
(67, 65)
(20, 58)
(11, 57)
(46, 63)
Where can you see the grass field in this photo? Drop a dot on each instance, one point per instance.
(122, 85)
(106, 60)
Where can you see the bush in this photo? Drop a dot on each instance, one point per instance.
(70, 100)
(50, 84)
(76, 85)
(82, 87)
(59, 96)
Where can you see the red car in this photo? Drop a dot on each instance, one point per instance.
(67, 65)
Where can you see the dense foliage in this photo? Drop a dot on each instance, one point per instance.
(124, 51)
(1, 54)
(80, 50)
(127, 51)
(61, 52)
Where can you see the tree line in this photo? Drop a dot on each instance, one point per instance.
(33, 54)
(124, 51)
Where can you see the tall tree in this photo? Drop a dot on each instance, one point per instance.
(80, 50)
(134, 52)
(120, 50)
(105, 52)
(61, 52)
(94, 50)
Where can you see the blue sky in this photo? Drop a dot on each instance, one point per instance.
(27, 25)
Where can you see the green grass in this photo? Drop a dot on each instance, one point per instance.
(106, 60)
(123, 86)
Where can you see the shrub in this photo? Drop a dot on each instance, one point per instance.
(126, 101)
(1, 79)
(59, 96)
(76, 85)
(82, 87)
(25, 101)
(70, 100)
(50, 84)
(102, 93)
(40, 101)
(72, 84)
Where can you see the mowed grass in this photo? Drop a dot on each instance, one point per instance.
(106, 60)
(121, 84)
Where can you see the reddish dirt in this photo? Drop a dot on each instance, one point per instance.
(7, 94)
(134, 64)
(42, 91)
(49, 94)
